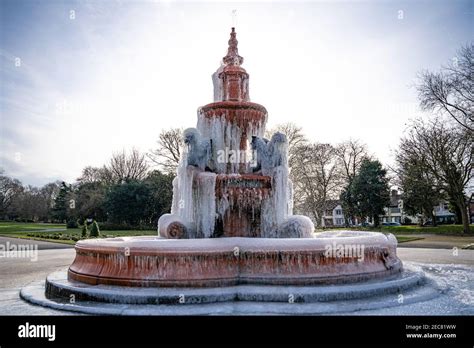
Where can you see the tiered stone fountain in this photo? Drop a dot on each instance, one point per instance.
(231, 234)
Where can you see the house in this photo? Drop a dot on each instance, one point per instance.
(443, 215)
(333, 215)
(394, 213)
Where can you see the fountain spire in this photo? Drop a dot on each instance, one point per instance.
(231, 81)
(232, 57)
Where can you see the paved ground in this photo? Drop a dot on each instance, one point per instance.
(42, 245)
(16, 272)
(434, 241)
(437, 256)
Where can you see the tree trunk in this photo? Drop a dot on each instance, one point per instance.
(458, 212)
(433, 219)
(348, 219)
(376, 221)
(465, 218)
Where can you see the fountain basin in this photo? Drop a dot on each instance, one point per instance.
(148, 261)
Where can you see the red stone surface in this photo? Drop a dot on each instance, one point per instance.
(245, 194)
(234, 77)
(151, 261)
(245, 115)
(234, 105)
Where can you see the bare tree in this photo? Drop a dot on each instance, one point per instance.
(294, 135)
(451, 91)
(124, 166)
(317, 179)
(351, 153)
(420, 190)
(96, 175)
(168, 152)
(49, 193)
(447, 154)
(9, 189)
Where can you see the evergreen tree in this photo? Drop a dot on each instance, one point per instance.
(95, 231)
(129, 203)
(370, 190)
(61, 203)
(85, 230)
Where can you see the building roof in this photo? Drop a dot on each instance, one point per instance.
(331, 204)
(394, 198)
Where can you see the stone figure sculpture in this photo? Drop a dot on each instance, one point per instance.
(259, 151)
(269, 154)
(199, 149)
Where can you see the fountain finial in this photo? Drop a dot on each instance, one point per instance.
(232, 57)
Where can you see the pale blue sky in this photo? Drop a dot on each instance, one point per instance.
(120, 71)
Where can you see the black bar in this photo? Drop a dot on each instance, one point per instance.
(289, 330)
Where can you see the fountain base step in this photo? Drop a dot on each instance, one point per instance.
(62, 294)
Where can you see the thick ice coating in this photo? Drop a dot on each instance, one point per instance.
(232, 182)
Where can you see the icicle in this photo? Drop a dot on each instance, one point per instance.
(205, 204)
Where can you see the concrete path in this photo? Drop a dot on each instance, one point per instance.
(42, 245)
(434, 241)
(16, 272)
(442, 256)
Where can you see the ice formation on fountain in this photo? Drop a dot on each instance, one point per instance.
(218, 192)
(199, 148)
(231, 181)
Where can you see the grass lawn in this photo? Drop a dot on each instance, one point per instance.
(415, 229)
(57, 232)
(13, 227)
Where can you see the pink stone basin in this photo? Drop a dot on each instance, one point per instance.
(148, 261)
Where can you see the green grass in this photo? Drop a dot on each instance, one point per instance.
(57, 232)
(15, 227)
(415, 229)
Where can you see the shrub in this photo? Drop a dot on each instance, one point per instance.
(71, 223)
(95, 231)
(85, 230)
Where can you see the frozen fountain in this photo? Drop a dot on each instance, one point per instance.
(231, 234)
(231, 181)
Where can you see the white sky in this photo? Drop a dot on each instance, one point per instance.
(120, 72)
